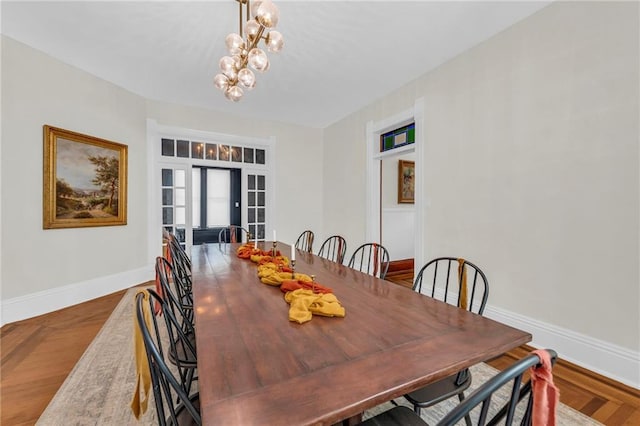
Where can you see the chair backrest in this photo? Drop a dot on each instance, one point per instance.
(371, 258)
(333, 248)
(233, 234)
(444, 277)
(167, 389)
(180, 260)
(305, 241)
(179, 297)
(518, 395)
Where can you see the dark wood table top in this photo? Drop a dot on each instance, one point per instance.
(257, 367)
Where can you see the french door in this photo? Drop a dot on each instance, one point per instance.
(176, 202)
(207, 184)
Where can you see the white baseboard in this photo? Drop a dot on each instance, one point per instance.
(613, 361)
(42, 302)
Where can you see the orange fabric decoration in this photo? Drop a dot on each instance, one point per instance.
(544, 392)
(245, 251)
(291, 285)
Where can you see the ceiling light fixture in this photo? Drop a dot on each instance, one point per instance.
(261, 17)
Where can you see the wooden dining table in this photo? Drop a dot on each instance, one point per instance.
(257, 367)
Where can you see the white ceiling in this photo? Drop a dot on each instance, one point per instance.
(338, 56)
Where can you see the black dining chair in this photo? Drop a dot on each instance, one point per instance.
(518, 395)
(372, 259)
(174, 403)
(461, 283)
(179, 296)
(180, 260)
(333, 248)
(181, 354)
(305, 241)
(518, 406)
(233, 234)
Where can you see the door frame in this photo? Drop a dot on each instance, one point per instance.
(373, 219)
(155, 132)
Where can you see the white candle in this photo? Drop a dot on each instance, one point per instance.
(293, 253)
(255, 244)
(274, 235)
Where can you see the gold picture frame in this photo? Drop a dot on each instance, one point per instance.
(85, 180)
(406, 182)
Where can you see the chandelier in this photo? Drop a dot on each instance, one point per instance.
(261, 17)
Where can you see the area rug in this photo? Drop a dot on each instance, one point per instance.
(98, 390)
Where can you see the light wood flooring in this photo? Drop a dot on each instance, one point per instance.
(37, 354)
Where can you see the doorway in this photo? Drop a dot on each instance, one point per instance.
(374, 216)
(397, 214)
(179, 153)
(216, 202)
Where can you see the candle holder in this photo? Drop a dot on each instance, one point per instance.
(293, 269)
(273, 250)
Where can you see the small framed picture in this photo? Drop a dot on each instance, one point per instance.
(406, 182)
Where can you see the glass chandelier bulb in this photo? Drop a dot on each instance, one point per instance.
(235, 43)
(247, 78)
(233, 93)
(274, 41)
(237, 62)
(267, 14)
(251, 28)
(221, 81)
(232, 75)
(254, 7)
(227, 64)
(258, 60)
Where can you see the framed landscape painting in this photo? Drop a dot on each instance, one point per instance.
(85, 180)
(406, 182)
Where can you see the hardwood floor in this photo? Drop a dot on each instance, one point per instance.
(599, 397)
(38, 354)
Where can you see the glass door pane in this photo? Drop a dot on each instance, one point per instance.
(174, 203)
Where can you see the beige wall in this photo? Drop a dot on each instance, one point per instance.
(538, 128)
(38, 90)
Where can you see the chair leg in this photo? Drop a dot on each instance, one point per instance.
(467, 418)
(416, 409)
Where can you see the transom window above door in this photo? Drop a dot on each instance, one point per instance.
(402, 136)
(181, 148)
